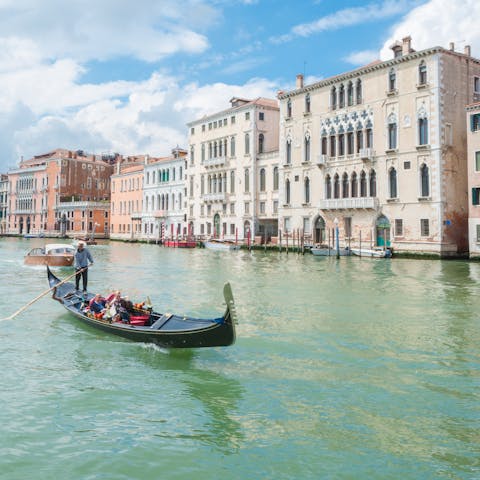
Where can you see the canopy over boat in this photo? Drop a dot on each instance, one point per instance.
(144, 325)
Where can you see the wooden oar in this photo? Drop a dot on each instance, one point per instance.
(42, 295)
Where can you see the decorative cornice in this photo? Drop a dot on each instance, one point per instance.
(372, 68)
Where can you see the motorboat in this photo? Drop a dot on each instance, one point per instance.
(52, 254)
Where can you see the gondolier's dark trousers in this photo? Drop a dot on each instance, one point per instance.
(83, 273)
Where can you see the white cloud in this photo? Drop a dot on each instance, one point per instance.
(346, 18)
(362, 57)
(437, 23)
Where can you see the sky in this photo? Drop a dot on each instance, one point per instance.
(122, 76)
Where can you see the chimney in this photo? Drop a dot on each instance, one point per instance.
(468, 52)
(299, 83)
(406, 45)
(118, 167)
(452, 47)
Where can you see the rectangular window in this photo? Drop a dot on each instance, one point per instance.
(476, 84)
(261, 116)
(407, 165)
(424, 227)
(478, 233)
(306, 225)
(232, 120)
(202, 229)
(232, 208)
(262, 207)
(476, 196)
(232, 229)
(398, 227)
(275, 206)
(247, 207)
(286, 224)
(247, 115)
(475, 122)
(203, 127)
(202, 210)
(192, 131)
(477, 161)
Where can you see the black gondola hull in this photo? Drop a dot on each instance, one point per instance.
(175, 332)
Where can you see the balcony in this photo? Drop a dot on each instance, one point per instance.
(357, 203)
(214, 162)
(367, 154)
(322, 160)
(159, 214)
(214, 197)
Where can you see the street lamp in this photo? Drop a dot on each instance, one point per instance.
(337, 240)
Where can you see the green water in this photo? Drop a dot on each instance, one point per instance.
(343, 369)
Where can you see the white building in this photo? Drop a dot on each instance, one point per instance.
(163, 215)
(232, 176)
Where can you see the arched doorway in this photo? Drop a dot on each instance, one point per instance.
(382, 230)
(216, 225)
(20, 225)
(319, 231)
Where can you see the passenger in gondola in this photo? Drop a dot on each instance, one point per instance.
(97, 304)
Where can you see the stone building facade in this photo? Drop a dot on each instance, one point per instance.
(3, 203)
(60, 193)
(473, 160)
(232, 174)
(380, 151)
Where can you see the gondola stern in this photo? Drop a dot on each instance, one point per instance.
(231, 312)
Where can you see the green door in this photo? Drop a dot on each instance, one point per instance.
(383, 231)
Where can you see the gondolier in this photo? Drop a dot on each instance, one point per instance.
(82, 259)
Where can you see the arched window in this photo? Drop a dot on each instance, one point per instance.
(232, 181)
(328, 187)
(203, 152)
(247, 181)
(373, 183)
(424, 181)
(422, 128)
(210, 150)
(341, 144)
(422, 73)
(289, 108)
(336, 186)
(392, 80)
(359, 91)
(392, 183)
(192, 155)
(215, 149)
(324, 145)
(353, 185)
(333, 98)
(350, 143)
(247, 144)
(289, 151)
(261, 145)
(306, 157)
(232, 147)
(345, 185)
(392, 132)
(350, 94)
(307, 103)
(275, 178)
(262, 180)
(359, 135)
(363, 184)
(341, 96)
(333, 142)
(307, 190)
(287, 191)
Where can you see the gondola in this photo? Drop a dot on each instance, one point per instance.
(166, 330)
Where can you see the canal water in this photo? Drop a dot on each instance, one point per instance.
(343, 369)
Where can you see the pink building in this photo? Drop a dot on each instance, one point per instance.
(473, 162)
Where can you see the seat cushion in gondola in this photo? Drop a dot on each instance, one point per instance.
(138, 319)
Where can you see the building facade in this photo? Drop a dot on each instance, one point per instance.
(127, 199)
(164, 211)
(60, 193)
(3, 203)
(380, 153)
(232, 174)
(473, 142)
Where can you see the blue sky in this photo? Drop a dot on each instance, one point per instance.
(123, 76)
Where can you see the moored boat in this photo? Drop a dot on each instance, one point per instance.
(372, 252)
(186, 243)
(326, 251)
(219, 244)
(53, 255)
(164, 329)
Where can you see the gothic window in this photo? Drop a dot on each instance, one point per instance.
(392, 80)
(336, 186)
(328, 187)
(307, 103)
(359, 91)
(324, 145)
(363, 184)
(232, 147)
(373, 183)
(232, 181)
(392, 183)
(275, 179)
(307, 190)
(289, 151)
(341, 96)
(422, 73)
(247, 144)
(247, 181)
(262, 180)
(289, 108)
(392, 132)
(307, 149)
(422, 128)
(344, 185)
(287, 191)
(353, 185)
(350, 94)
(424, 181)
(261, 143)
(333, 98)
